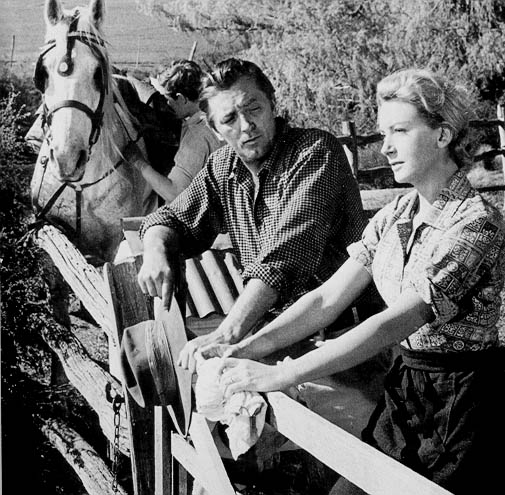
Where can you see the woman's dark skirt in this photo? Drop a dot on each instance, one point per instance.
(442, 415)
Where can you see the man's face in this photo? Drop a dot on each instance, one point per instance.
(244, 117)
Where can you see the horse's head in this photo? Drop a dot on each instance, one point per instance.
(72, 73)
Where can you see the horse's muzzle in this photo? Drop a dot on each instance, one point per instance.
(70, 169)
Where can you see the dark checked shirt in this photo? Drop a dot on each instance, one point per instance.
(454, 259)
(292, 231)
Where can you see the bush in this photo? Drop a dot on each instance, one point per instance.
(23, 291)
(326, 56)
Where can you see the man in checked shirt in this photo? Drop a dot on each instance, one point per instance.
(291, 206)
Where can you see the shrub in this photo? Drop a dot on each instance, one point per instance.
(23, 291)
(326, 56)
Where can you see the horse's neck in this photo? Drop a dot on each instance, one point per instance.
(127, 132)
(110, 147)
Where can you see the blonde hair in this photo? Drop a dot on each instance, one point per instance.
(439, 102)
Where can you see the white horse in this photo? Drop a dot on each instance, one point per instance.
(82, 180)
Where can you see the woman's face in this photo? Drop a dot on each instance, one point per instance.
(412, 148)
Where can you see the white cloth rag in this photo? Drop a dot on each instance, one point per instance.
(243, 412)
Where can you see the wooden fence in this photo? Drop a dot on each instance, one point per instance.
(144, 435)
(352, 141)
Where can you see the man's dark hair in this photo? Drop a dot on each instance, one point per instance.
(184, 77)
(227, 73)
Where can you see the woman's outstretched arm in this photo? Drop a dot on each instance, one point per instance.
(362, 342)
(312, 312)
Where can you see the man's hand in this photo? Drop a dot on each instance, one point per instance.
(187, 357)
(156, 276)
(220, 350)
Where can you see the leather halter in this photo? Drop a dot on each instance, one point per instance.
(65, 68)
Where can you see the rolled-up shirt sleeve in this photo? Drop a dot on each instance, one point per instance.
(467, 260)
(196, 214)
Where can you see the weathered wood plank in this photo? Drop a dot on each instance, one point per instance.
(371, 470)
(188, 457)
(94, 474)
(162, 454)
(215, 479)
(500, 114)
(88, 378)
(83, 278)
(129, 307)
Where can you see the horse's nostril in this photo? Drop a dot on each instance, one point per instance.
(83, 158)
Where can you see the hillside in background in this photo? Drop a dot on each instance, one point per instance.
(133, 36)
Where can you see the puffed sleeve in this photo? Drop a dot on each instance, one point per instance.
(364, 250)
(468, 259)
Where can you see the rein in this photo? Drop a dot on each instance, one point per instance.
(78, 188)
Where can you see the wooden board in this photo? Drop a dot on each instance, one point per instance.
(130, 307)
(366, 467)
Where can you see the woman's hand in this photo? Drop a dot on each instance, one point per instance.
(216, 349)
(246, 375)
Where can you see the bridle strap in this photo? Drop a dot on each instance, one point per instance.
(73, 104)
(42, 213)
(78, 188)
(65, 69)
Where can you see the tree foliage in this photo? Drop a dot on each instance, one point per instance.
(326, 56)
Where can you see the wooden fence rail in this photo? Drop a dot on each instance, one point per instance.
(153, 459)
(353, 141)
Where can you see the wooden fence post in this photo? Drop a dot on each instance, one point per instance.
(500, 114)
(349, 129)
(193, 50)
(12, 49)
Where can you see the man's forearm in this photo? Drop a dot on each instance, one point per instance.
(160, 237)
(166, 187)
(256, 299)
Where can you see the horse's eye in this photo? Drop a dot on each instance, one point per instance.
(98, 78)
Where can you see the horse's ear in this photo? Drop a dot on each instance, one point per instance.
(53, 12)
(96, 12)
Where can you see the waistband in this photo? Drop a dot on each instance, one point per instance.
(453, 361)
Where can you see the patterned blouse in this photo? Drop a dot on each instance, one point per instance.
(292, 232)
(455, 260)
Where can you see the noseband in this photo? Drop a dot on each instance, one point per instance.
(65, 69)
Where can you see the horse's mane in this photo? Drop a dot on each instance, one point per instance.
(111, 125)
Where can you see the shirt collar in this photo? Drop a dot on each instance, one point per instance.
(196, 118)
(459, 188)
(447, 202)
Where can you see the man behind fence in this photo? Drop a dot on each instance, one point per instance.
(290, 204)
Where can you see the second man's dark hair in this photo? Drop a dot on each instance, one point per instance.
(184, 77)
